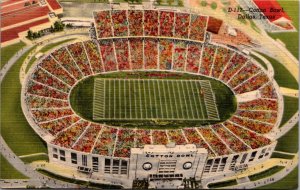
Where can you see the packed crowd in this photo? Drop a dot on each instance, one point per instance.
(123, 23)
(48, 86)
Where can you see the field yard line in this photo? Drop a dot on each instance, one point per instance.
(135, 111)
(176, 94)
(104, 100)
(191, 84)
(173, 99)
(140, 97)
(94, 99)
(199, 85)
(189, 98)
(109, 116)
(130, 106)
(125, 98)
(214, 101)
(146, 110)
(155, 94)
(183, 91)
(166, 106)
(114, 88)
(159, 96)
(151, 112)
(120, 103)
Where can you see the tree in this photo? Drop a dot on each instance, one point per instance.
(69, 25)
(51, 29)
(213, 5)
(203, 3)
(159, 1)
(35, 35)
(29, 34)
(180, 3)
(58, 26)
(170, 2)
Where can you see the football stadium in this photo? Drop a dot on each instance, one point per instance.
(152, 99)
(141, 95)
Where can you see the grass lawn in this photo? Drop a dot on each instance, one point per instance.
(289, 142)
(291, 39)
(8, 171)
(32, 60)
(8, 51)
(222, 184)
(265, 173)
(290, 108)
(15, 130)
(82, 100)
(52, 45)
(283, 156)
(282, 76)
(148, 99)
(35, 158)
(289, 182)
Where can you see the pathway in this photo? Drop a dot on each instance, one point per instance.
(36, 179)
(289, 92)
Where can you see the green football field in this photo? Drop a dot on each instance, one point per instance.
(153, 99)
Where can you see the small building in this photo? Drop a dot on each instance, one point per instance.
(18, 16)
